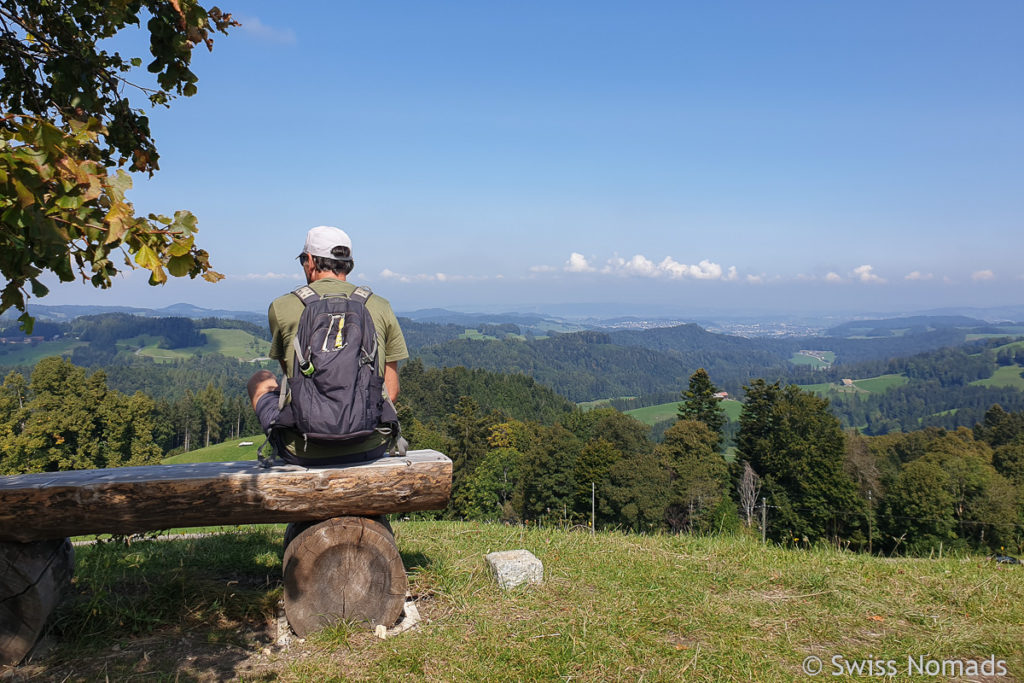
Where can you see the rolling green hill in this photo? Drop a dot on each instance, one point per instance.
(230, 343)
(1006, 376)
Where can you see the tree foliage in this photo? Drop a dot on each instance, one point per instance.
(700, 403)
(65, 419)
(797, 447)
(67, 127)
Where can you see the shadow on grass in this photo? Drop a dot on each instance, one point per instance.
(218, 587)
(415, 560)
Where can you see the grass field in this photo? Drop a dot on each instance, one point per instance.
(1011, 331)
(612, 607)
(600, 403)
(819, 359)
(231, 343)
(651, 415)
(28, 354)
(863, 387)
(881, 384)
(1006, 376)
(221, 452)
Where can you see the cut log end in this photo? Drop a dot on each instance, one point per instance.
(32, 578)
(343, 569)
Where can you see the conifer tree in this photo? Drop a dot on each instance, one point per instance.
(700, 403)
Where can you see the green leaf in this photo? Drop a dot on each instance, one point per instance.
(147, 258)
(179, 266)
(27, 322)
(38, 288)
(25, 197)
(119, 184)
(181, 247)
(68, 201)
(184, 222)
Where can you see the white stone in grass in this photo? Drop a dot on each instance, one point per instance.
(515, 567)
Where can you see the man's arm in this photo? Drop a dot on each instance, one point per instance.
(259, 384)
(391, 379)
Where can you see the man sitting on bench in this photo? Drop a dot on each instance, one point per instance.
(326, 261)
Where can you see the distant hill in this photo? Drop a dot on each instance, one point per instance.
(889, 327)
(66, 313)
(444, 316)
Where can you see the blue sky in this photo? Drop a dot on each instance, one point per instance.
(685, 157)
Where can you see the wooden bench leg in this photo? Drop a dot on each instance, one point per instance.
(345, 568)
(32, 578)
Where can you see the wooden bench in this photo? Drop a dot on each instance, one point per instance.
(340, 559)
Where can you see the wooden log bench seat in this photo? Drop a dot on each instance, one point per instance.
(340, 559)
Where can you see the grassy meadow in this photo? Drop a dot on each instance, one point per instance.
(221, 452)
(613, 606)
(816, 359)
(227, 342)
(1005, 376)
(862, 387)
(651, 415)
(30, 354)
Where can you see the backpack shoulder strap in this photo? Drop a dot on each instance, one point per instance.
(306, 294)
(362, 293)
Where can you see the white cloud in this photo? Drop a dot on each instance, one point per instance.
(980, 275)
(918, 275)
(389, 274)
(833, 277)
(542, 269)
(864, 274)
(641, 265)
(577, 263)
(269, 276)
(705, 270)
(271, 34)
(755, 279)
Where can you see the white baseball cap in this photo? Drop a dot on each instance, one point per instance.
(323, 238)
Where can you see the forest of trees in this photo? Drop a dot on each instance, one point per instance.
(938, 462)
(524, 454)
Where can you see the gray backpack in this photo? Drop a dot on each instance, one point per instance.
(337, 391)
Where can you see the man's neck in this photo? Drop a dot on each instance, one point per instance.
(325, 275)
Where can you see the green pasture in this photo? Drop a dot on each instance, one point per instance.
(863, 387)
(30, 354)
(825, 359)
(651, 415)
(221, 452)
(600, 403)
(1006, 376)
(882, 383)
(231, 343)
(1011, 331)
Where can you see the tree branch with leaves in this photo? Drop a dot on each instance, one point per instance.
(68, 129)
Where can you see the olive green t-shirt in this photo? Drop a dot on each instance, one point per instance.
(283, 317)
(285, 311)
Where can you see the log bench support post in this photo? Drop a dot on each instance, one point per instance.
(345, 568)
